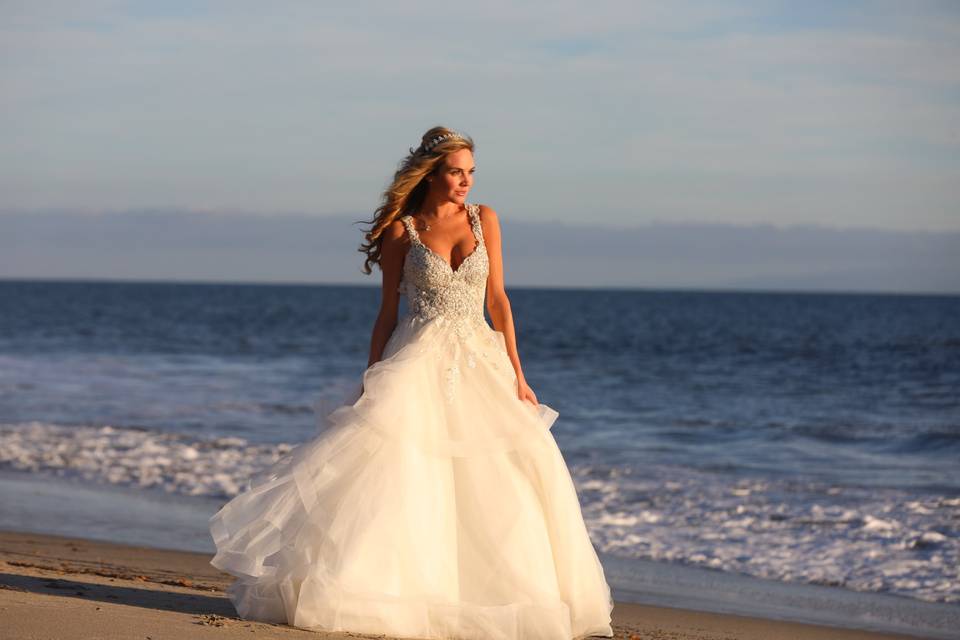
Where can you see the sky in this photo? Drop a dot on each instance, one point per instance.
(614, 115)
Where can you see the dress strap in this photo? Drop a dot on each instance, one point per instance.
(473, 211)
(411, 229)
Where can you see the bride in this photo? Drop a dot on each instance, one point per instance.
(436, 503)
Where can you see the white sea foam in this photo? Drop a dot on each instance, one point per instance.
(136, 457)
(880, 540)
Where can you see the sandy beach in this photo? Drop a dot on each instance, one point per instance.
(67, 587)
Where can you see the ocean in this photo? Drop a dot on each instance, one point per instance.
(801, 438)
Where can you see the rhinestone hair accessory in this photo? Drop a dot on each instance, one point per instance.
(447, 136)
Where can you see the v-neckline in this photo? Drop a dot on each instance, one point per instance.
(476, 246)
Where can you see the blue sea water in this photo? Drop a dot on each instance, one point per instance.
(805, 438)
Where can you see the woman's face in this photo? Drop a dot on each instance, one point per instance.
(455, 176)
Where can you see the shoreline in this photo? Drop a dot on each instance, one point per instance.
(56, 586)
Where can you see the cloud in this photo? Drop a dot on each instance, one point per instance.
(741, 112)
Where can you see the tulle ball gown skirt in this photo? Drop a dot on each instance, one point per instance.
(434, 505)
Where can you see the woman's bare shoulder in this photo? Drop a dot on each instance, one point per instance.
(486, 212)
(489, 219)
(394, 235)
(395, 230)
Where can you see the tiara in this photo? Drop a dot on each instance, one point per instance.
(447, 136)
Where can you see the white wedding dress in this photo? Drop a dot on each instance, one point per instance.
(436, 505)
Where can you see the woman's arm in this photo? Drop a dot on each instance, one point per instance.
(498, 305)
(392, 251)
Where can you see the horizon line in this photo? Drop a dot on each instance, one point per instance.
(646, 289)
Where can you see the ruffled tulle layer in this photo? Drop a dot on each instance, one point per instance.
(418, 514)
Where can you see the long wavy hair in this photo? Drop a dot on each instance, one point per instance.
(409, 187)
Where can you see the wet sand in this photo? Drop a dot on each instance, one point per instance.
(55, 587)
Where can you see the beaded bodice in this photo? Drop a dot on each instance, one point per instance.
(434, 289)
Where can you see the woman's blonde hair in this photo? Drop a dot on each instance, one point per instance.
(409, 187)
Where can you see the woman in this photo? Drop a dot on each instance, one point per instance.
(437, 503)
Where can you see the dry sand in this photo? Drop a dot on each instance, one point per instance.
(54, 587)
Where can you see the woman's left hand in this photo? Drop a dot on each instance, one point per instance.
(524, 392)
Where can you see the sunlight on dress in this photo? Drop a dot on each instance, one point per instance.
(434, 504)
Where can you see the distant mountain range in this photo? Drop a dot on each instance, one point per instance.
(188, 246)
